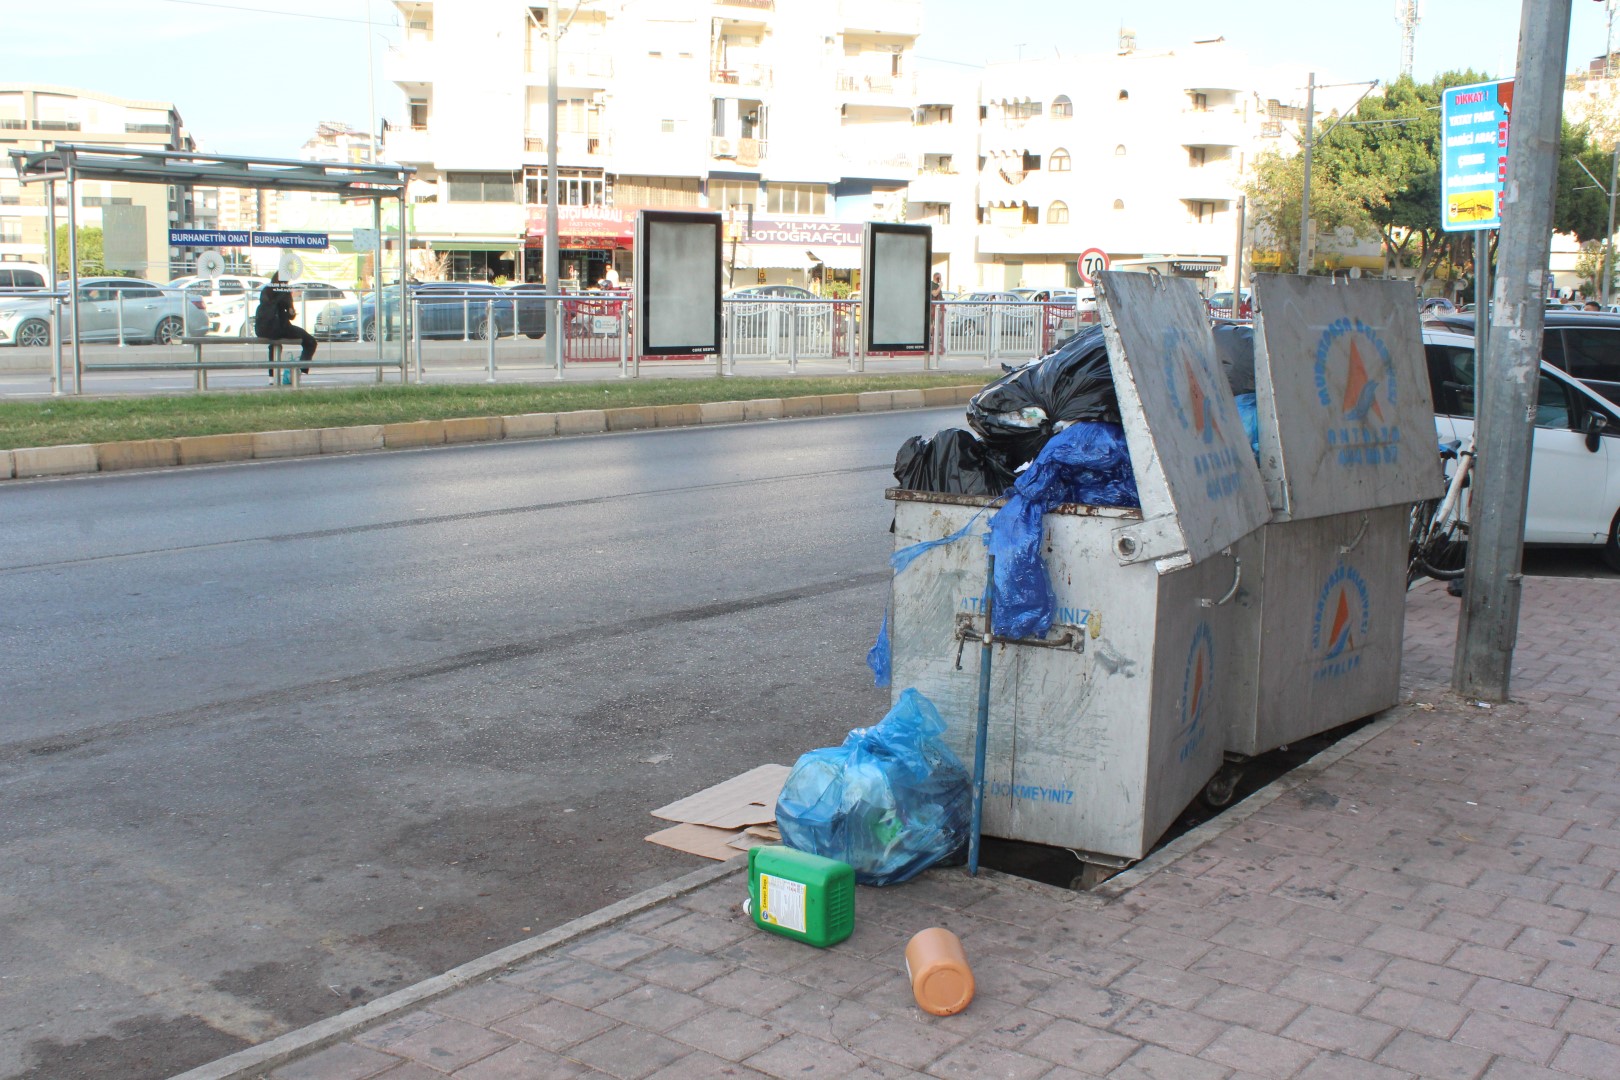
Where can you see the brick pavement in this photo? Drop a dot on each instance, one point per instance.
(1440, 901)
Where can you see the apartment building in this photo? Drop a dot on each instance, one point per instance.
(793, 119)
(134, 218)
(1141, 154)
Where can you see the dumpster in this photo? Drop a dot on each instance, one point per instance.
(1346, 446)
(1103, 731)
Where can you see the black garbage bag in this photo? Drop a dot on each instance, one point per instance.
(954, 462)
(1019, 412)
(1234, 348)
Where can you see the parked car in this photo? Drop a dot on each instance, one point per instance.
(449, 309)
(531, 308)
(763, 292)
(229, 298)
(22, 275)
(1586, 344)
(148, 312)
(1575, 448)
(1220, 304)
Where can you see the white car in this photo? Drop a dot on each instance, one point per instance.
(140, 311)
(1575, 456)
(229, 298)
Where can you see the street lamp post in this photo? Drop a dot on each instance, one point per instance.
(552, 272)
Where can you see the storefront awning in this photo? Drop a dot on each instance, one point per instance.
(791, 257)
(586, 226)
(459, 244)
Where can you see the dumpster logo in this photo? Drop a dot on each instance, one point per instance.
(1188, 373)
(1197, 689)
(1340, 624)
(1355, 383)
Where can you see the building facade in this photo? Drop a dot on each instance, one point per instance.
(134, 218)
(792, 119)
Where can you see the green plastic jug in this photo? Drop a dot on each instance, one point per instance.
(799, 895)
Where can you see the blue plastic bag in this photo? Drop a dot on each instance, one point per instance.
(1087, 463)
(892, 801)
(877, 657)
(1249, 413)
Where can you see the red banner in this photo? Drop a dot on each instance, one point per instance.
(593, 223)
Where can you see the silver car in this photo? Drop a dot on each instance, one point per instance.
(141, 310)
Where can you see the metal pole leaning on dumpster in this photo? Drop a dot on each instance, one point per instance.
(981, 734)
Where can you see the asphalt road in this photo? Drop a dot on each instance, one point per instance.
(282, 737)
(279, 738)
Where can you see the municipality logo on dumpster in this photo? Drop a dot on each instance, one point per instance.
(1197, 688)
(1340, 623)
(1188, 373)
(1355, 383)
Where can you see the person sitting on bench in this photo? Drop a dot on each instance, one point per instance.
(273, 320)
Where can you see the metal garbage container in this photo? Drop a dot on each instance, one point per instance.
(1347, 444)
(1101, 733)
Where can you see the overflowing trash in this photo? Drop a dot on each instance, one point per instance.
(1087, 464)
(891, 801)
(952, 461)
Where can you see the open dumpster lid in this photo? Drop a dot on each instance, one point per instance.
(1195, 472)
(1342, 392)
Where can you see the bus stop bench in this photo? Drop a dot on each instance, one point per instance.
(276, 361)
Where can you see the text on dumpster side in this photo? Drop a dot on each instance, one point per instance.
(1033, 792)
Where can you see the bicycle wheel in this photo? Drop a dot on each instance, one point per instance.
(1441, 550)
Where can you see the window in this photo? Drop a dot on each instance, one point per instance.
(1552, 403)
(1020, 110)
(798, 199)
(419, 114)
(1032, 162)
(1200, 102)
(1119, 204)
(490, 187)
(1062, 108)
(1589, 353)
(1196, 156)
(728, 193)
(1032, 214)
(666, 127)
(575, 187)
(1059, 161)
(1119, 151)
(657, 191)
(146, 129)
(1451, 375)
(1201, 212)
(10, 230)
(1058, 214)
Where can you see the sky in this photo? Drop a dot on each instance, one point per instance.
(254, 77)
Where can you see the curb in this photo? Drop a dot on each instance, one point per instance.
(257, 1060)
(77, 459)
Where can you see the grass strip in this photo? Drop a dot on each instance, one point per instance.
(62, 421)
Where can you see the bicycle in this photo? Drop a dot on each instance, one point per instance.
(1438, 530)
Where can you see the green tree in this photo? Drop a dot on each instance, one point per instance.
(1339, 200)
(90, 257)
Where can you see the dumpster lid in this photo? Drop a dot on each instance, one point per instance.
(1195, 472)
(1342, 393)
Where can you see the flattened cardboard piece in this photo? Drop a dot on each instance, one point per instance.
(749, 799)
(700, 840)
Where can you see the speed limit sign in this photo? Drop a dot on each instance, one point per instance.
(1092, 262)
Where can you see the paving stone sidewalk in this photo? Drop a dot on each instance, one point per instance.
(1441, 901)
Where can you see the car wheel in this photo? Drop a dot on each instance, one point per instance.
(1611, 550)
(34, 332)
(532, 336)
(169, 331)
(369, 332)
(481, 330)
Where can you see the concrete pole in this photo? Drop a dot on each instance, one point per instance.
(73, 279)
(1237, 260)
(56, 305)
(1488, 624)
(554, 327)
(1305, 193)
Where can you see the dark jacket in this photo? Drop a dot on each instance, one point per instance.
(275, 312)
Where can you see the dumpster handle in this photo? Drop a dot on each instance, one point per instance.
(1237, 579)
(1345, 549)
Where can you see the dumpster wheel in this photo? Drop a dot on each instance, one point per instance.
(1218, 793)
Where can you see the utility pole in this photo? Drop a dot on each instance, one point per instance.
(554, 326)
(1488, 624)
(1305, 194)
(1237, 262)
(1608, 239)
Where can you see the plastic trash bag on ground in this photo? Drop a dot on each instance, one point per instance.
(954, 462)
(1087, 463)
(1017, 413)
(892, 801)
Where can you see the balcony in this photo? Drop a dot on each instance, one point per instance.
(583, 68)
(877, 88)
(408, 146)
(937, 185)
(571, 145)
(1212, 127)
(876, 160)
(899, 17)
(751, 5)
(747, 153)
(742, 75)
(411, 62)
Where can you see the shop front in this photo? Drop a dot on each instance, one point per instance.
(822, 256)
(590, 240)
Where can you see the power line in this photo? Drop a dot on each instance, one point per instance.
(277, 11)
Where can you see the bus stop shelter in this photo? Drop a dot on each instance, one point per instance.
(70, 163)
